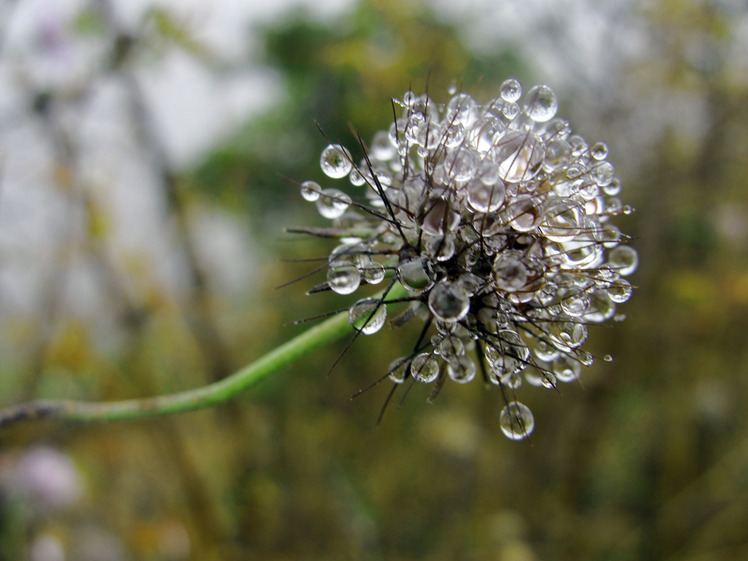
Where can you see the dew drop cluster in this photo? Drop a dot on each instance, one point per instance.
(497, 219)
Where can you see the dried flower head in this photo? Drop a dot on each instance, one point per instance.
(495, 219)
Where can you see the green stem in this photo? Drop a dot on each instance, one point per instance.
(206, 396)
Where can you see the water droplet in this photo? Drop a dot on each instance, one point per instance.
(485, 198)
(381, 146)
(623, 259)
(561, 219)
(613, 188)
(461, 109)
(343, 277)
(509, 273)
(620, 291)
(335, 161)
(608, 358)
(566, 368)
(398, 370)
(523, 213)
(414, 276)
(449, 302)
(603, 173)
(424, 368)
(599, 151)
(310, 191)
(332, 203)
(516, 421)
(439, 218)
(461, 370)
(519, 156)
(541, 103)
(441, 248)
(367, 315)
(373, 272)
(510, 90)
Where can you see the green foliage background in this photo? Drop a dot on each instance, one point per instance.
(646, 458)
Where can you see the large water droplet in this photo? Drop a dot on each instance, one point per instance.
(367, 315)
(519, 156)
(516, 421)
(439, 218)
(413, 276)
(335, 161)
(523, 213)
(461, 369)
(333, 203)
(510, 90)
(541, 103)
(485, 198)
(310, 191)
(343, 277)
(623, 259)
(449, 302)
(620, 291)
(509, 273)
(424, 368)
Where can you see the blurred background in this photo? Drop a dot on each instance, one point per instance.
(141, 244)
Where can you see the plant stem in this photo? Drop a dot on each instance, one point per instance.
(206, 396)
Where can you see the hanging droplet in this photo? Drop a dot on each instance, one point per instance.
(413, 276)
(310, 191)
(519, 156)
(343, 277)
(367, 315)
(599, 151)
(424, 368)
(620, 291)
(566, 368)
(510, 90)
(516, 421)
(523, 213)
(485, 198)
(449, 302)
(398, 370)
(541, 103)
(623, 259)
(461, 369)
(509, 273)
(335, 161)
(333, 203)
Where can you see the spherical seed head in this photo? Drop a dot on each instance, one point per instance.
(497, 221)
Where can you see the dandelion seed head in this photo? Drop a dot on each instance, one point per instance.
(496, 220)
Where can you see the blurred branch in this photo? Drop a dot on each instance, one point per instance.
(200, 398)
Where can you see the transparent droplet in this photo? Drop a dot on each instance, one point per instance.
(608, 358)
(613, 188)
(603, 173)
(439, 218)
(516, 421)
(343, 277)
(441, 248)
(381, 147)
(310, 191)
(462, 370)
(335, 161)
(398, 370)
(356, 178)
(461, 109)
(541, 103)
(424, 368)
(510, 90)
(332, 203)
(623, 259)
(599, 151)
(485, 198)
(509, 273)
(519, 156)
(566, 368)
(373, 272)
(367, 315)
(523, 213)
(561, 219)
(450, 346)
(413, 276)
(620, 291)
(449, 302)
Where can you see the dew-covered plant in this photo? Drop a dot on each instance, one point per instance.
(494, 222)
(490, 224)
